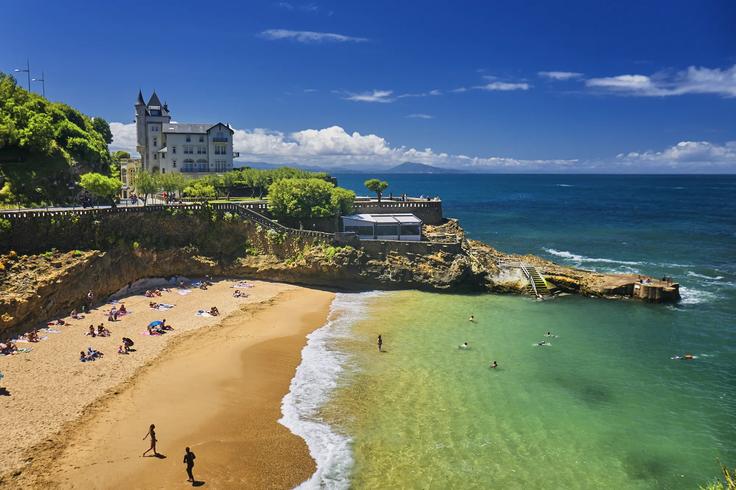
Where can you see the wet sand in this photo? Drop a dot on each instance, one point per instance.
(217, 390)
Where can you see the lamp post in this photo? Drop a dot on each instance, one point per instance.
(43, 83)
(27, 71)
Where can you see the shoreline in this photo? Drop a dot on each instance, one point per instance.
(261, 334)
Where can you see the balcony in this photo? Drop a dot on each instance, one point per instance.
(220, 139)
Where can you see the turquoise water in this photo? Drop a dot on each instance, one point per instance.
(603, 406)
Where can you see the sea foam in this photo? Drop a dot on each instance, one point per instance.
(314, 382)
(583, 259)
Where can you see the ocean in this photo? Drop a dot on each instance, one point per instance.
(603, 406)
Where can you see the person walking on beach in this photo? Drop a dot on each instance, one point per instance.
(152, 434)
(380, 344)
(189, 461)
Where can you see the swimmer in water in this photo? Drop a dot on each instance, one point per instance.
(685, 357)
(472, 318)
(493, 365)
(550, 334)
(464, 345)
(543, 343)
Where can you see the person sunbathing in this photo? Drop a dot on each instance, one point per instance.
(102, 331)
(214, 311)
(239, 294)
(203, 286)
(92, 332)
(94, 354)
(60, 322)
(113, 316)
(8, 348)
(83, 357)
(164, 326)
(75, 315)
(32, 336)
(153, 305)
(122, 310)
(154, 331)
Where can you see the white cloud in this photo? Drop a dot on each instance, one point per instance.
(560, 75)
(420, 116)
(333, 146)
(694, 80)
(308, 37)
(504, 86)
(686, 155)
(382, 96)
(123, 137)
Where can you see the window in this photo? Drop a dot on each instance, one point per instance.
(201, 139)
(189, 139)
(163, 170)
(220, 150)
(188, 149)
(154, 129)
(173, 150)
(201, 150)
(387, 230)
(173, 163)
(155, 156)
(155, 141)
(411, 230)
(361, 230)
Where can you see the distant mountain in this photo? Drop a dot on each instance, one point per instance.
(419, 168)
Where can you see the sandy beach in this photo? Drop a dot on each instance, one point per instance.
(214, 384)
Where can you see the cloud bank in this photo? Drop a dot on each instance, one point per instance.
(694, 80)
(309, 37)
(335, 147)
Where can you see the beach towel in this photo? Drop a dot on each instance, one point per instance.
(25, 341)
(163, 307)
(51, 330)
(146, 334)
(183, 292)
(202, 313)
(242, 284)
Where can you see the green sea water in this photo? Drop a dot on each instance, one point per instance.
(603, 406)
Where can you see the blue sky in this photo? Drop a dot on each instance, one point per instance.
(493, 86)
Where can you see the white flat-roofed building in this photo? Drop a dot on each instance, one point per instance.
(193, 149)
(400, 226)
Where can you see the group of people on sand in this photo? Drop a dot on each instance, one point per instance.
(159, 328)
(8, 348)
(90, 355)
(153, 293)
(100, 332)
(126, 346)
(115, 313)
(189, 455)
(32, 336)
(239, 294)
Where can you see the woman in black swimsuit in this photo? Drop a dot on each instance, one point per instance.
(152, 434)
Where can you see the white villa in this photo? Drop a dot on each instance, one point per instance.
(194, 149)
(399, 226)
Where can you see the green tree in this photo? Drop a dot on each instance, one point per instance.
(377, 186)
(229, 180)
(200, 188)
(173, 183)
(45, 146)
(102, 186)
(101, 126)
(300, 199)
(146, 183)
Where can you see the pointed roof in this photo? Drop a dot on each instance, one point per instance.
(154, 100)
(140, 99)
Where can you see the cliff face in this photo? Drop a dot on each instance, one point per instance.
(36, 288)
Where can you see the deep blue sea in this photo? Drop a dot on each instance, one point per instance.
(604, 406)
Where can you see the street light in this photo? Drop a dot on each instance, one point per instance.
(27, 71)
(43, 83)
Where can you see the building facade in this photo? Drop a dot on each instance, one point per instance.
(192, 149)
